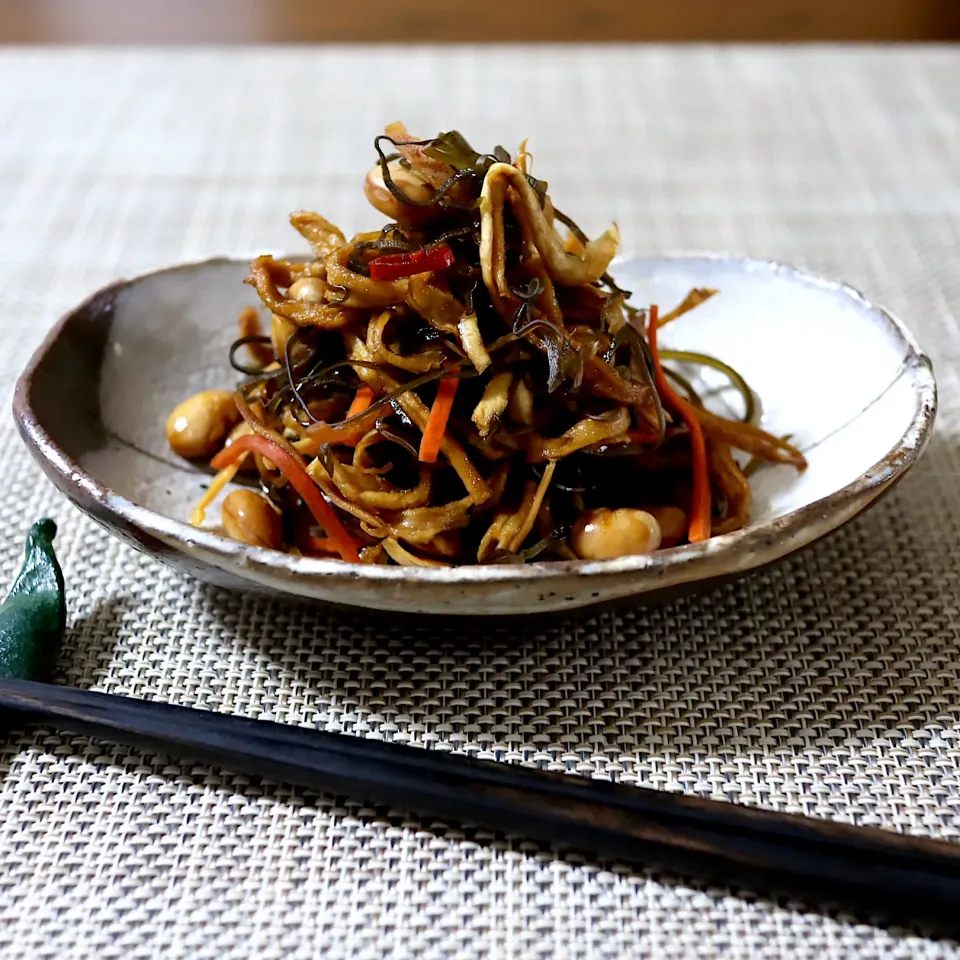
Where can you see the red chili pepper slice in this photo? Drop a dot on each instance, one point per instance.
(396, 266)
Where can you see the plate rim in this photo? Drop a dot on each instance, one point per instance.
(755, 545)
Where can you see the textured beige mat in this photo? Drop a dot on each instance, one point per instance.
(830, 685)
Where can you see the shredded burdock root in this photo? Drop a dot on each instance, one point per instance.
(469, 385)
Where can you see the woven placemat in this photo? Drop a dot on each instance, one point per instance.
(828, 685)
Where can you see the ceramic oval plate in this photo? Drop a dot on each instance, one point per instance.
(92, 404)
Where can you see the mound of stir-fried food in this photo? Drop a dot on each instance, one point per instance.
(466, 385)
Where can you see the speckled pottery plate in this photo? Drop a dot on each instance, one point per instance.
(840, 374)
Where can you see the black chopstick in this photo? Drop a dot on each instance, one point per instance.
(885, 876)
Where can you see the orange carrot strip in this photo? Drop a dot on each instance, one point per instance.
(307, 543)
(318, 544)
(298, 478)
(437, 421)
(345, 433)
(349, 434)
(642, 436)
(700, 514)
(361, 401)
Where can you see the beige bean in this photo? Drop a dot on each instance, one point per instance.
(604, 534)
(673, 525)
(197, 427)
(281, 329)
(307, 288)
(251, 518)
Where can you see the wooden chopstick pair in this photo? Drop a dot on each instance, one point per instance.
(882, 875)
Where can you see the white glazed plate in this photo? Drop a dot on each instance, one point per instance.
(840, 374)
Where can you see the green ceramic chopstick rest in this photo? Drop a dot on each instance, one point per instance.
(33, 617)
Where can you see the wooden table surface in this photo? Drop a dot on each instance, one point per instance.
(525, 21)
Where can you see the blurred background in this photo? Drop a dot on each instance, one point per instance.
(486, 21)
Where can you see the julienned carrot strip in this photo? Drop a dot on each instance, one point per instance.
(361, 401)
(642, 436)
(437, 421)
(345, 433)
(701, 511)
(298, 478)
(308, 543)
(319, 544)
(348, 434)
